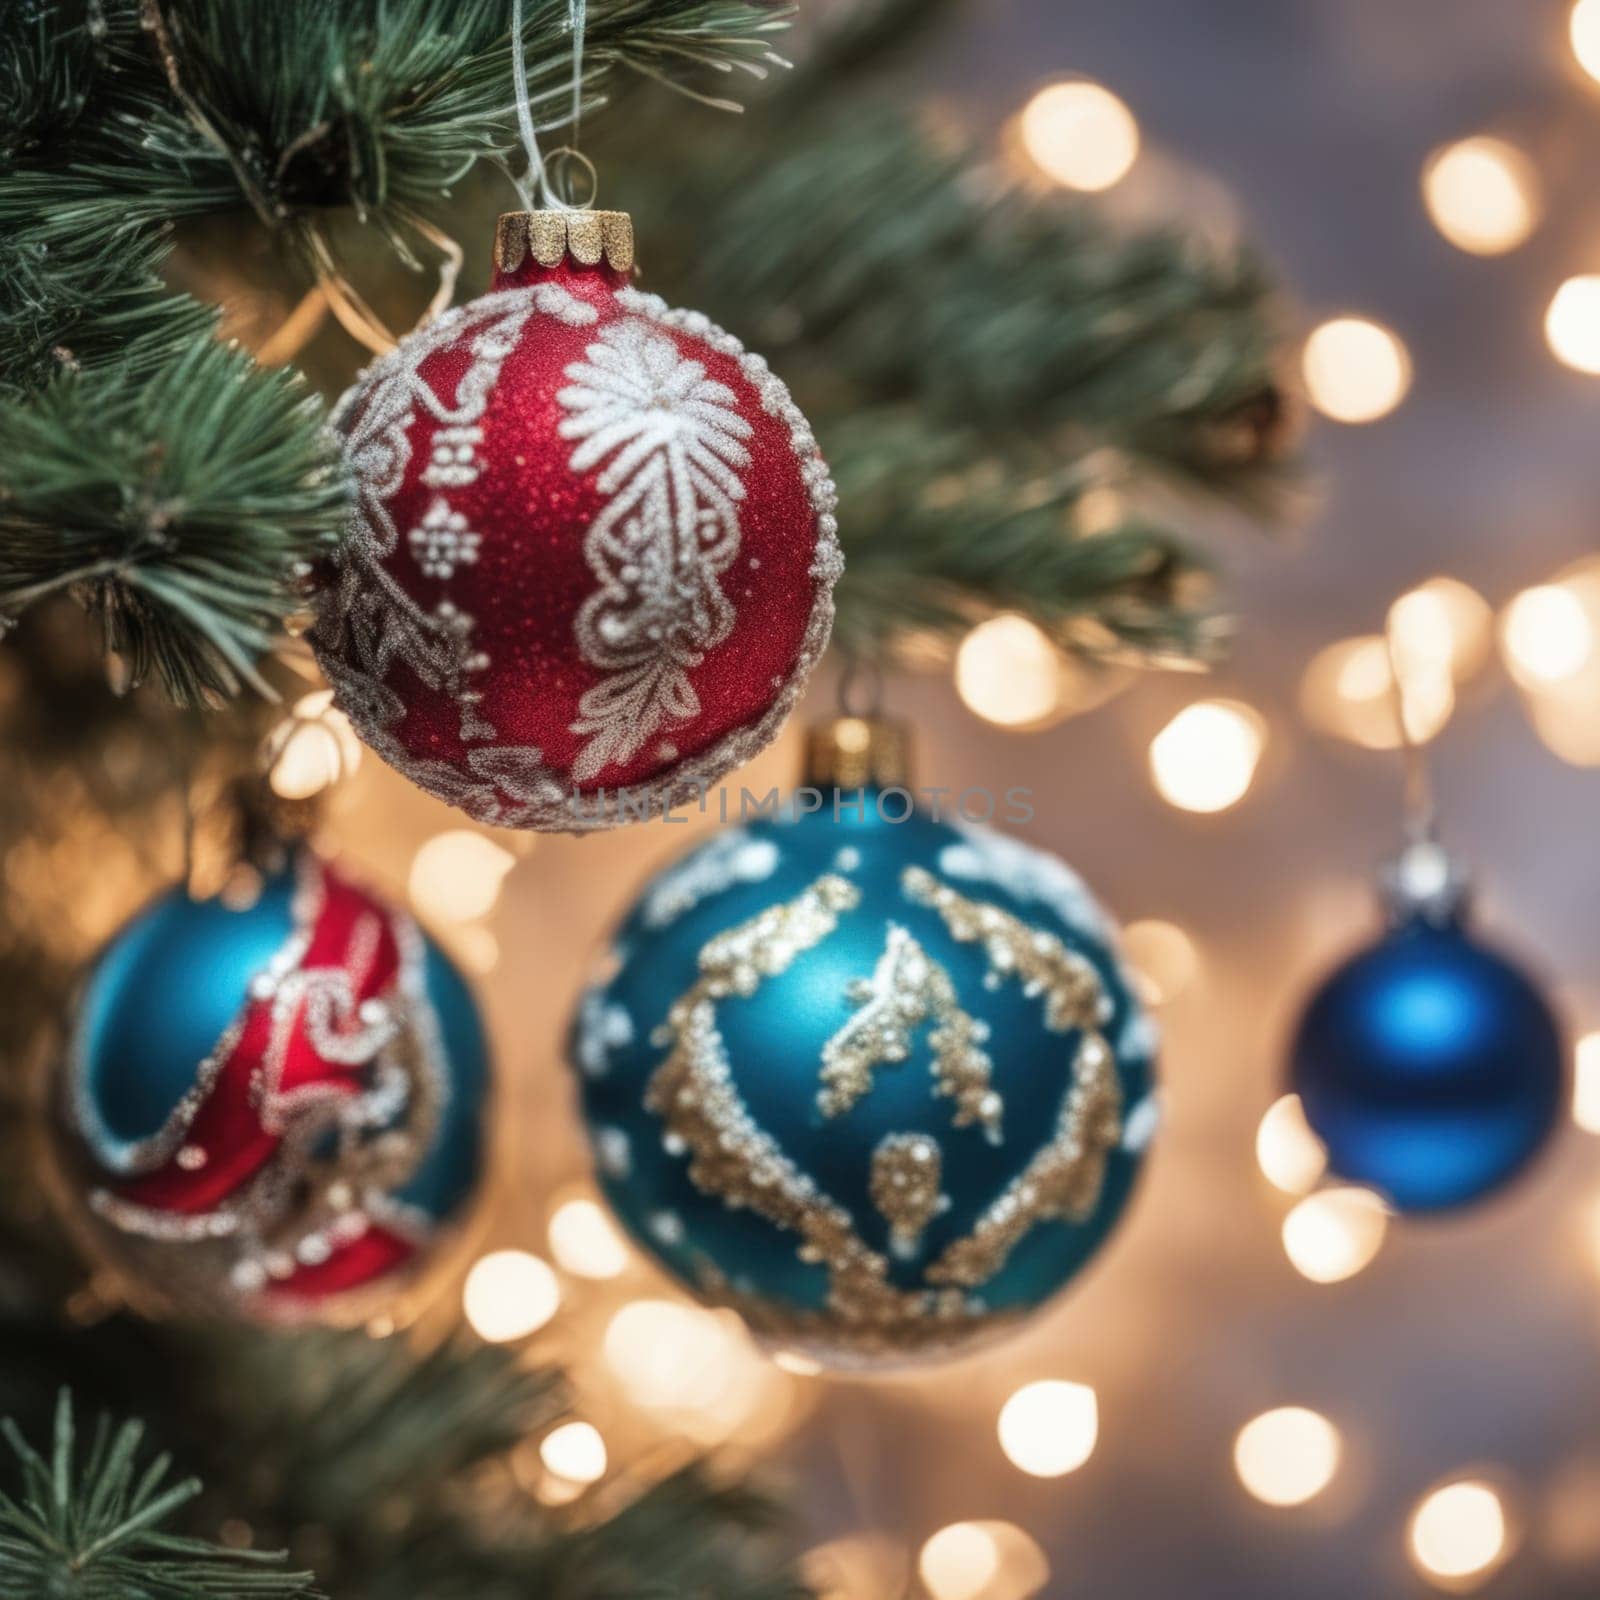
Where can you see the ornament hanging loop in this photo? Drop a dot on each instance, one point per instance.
(540, 186)
(1424, 881)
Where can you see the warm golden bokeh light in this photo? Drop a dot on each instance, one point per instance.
(1459, 1531)
(1483, 195)
(1545, 636)
(1583, 29)
(797, 1363)
(510, 1294)
(575, 1451)
(585, 1241)
(1572, 324)
(1290, 1155)
(666, 1354)
(1048, 1429)
(1205, 758)
(456, 876)
(1081, 135)
(313, 748)
(1333, 1235)
(698, 1371)
(1008, 672)
(1163, 956)
(306, 763)
(1288, 1456)
(1356, 370)
(862, 1564)
(1348, 691)
(959, 1562)
(1442, 624)
(1586, 1083)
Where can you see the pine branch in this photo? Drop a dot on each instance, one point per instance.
(941, 534)
(74, 309)
(296, 107)
(97, 1533)
(976, 356)
(343, 1423)
(889, 255)
(175, 506)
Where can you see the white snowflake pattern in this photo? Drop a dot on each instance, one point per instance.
(444, 541)
(671, 444)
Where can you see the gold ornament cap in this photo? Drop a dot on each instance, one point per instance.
(858, 753)
(549, 237)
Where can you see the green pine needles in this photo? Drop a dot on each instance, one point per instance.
(174, 503)
(97, 1532)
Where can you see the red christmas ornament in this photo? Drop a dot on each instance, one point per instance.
(593, 554)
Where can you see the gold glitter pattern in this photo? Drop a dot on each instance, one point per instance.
(731, 1157)
(1061, 1184)
(1046, 968)
(908, 987)
(906, 1169)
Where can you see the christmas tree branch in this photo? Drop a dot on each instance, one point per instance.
(96, 1533)
(942, 534)
(977, 356)
(175, 504)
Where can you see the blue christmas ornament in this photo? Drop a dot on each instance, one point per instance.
(1431, 1068)
(273, 1108)
(881, 1085)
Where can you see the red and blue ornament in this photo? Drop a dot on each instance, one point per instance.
(273, 1109)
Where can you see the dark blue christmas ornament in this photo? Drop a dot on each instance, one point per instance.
(881, 1085)
(1431, 1068)
(274, 1108)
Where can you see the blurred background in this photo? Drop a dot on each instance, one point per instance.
(1264, 1385)
(1255, 1390)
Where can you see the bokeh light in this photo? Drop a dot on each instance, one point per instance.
(1332, 1235)
(1356, 370)
(1048, 1429)
(1572, 324)
(456, 876)
(1081, 135)
(1586, 1083)
(959, 1562)
(313, 748)
(696, 1370)
(1163, 956)
(1583, 28)
(1459, 1531)
(1290, 1155)
(1442, 624)
(1008, 672)
(510, 1294)
(1348, 691)
(1545, 636)
(1483, 195)
(1205, 758)
(859, 1564)
(1287, 1456)
(585, 1241)
(575, 1451)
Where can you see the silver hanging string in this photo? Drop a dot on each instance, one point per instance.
(536, 187)
(1424, 880)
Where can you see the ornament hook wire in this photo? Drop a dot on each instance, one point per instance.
(1424, 880)
(536, 186)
